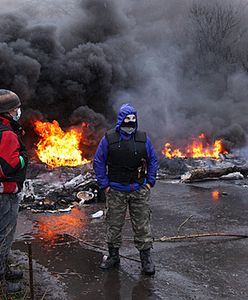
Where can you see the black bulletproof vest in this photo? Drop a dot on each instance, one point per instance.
(124, 156)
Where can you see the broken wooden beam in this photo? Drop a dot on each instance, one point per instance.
(199, 174)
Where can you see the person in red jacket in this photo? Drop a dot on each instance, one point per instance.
(13, 163)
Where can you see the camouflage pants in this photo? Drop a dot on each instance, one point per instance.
(139, 210)
(9, 205)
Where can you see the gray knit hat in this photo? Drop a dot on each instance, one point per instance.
(8, 101)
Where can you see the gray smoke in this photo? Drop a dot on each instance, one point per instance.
(182, 64)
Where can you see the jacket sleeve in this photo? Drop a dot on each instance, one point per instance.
(100, 163)
(152, 163)
(9, 154)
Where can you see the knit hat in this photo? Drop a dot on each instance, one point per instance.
(8, 101)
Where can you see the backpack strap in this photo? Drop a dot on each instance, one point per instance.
(4, 128)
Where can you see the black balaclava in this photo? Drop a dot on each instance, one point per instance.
(129, 124)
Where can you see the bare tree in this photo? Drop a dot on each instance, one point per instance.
(217, 30)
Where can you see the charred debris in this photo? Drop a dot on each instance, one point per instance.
(187, 170)
(59, 189)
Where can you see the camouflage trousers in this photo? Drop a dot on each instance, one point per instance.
(140, 214)
(9, 205)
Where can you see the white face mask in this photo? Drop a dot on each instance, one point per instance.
(18, 114)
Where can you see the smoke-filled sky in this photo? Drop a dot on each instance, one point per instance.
(182, 64)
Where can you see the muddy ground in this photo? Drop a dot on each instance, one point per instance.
(70, 247)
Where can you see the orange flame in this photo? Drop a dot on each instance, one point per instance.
(58, 148)
(198, 148)
(215, 195)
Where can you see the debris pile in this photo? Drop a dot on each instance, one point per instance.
(227, 167)
(60, 189)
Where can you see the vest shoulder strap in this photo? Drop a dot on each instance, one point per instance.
(5, 128)
(140, 136)
(113, 137)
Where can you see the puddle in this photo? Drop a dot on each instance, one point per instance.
(54, 246)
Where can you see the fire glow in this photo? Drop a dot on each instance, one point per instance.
(57, 148)
(49, 228)
(199, 148)
(215, 195)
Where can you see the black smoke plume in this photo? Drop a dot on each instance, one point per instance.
(182, 64)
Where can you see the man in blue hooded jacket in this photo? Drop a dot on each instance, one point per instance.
(125, 165)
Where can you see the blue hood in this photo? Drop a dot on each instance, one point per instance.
(126, 109)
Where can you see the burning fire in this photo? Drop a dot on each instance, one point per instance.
(58, 148)
(198, 148)
(215, 195)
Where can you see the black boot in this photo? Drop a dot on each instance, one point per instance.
(13, 274)
(148, 267)
(112, 260)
